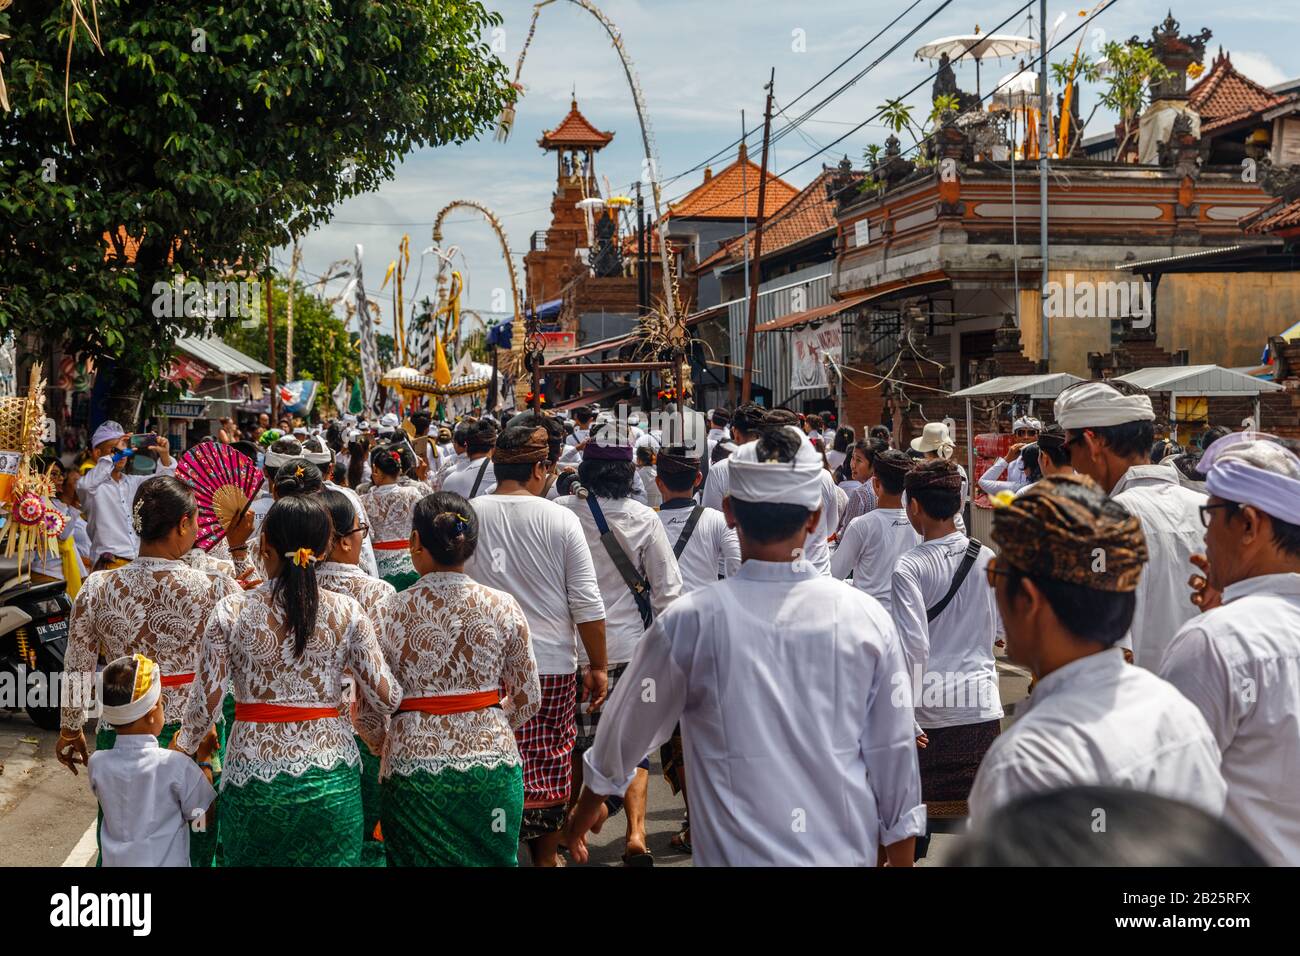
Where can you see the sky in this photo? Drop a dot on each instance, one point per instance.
(699, 64)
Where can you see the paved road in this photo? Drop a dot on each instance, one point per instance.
(45, 811)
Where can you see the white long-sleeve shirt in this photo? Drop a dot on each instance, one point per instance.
(1099, 721)
(711, 552)
(535, 550)
(646, 544)
(991, 482)
(1240, 665)
(149, 796)
(869, 549)
(949, 659)
(799, 739)
(817, 551)
(461, 480)
(108, 505)
(1171, 521)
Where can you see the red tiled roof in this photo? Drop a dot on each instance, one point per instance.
(1275, 218)
(1224, 96)
(130, 246)
(810, 213)
(574, 130)
(733, 193)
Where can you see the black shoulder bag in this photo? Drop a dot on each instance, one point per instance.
(636, 583)
(684, 538)
(479, 480)
(963, 569)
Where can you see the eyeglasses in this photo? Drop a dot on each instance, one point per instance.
(362, 529)
(1206, 509)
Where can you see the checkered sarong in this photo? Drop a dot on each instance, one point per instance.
(587, 722)
(546, 743)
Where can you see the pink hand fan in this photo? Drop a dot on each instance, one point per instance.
(224, 483)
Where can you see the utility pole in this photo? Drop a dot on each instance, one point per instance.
(1044, 147)
(270, 350)
(294, 262)
(756, 270)
(642, 285)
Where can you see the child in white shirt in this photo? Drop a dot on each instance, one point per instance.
(149, 796)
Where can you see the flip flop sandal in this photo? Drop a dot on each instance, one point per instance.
(681, 841)
(639, 860)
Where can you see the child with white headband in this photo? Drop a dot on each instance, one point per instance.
(149, 796)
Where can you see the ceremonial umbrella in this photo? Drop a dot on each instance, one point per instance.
(978, 47)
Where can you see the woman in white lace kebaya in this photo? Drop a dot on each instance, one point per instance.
(452, 781)
(342, 573)
(389, 504)
(291, 791)
(156, 606)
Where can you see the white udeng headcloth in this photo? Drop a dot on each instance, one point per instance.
(1251, 468)
(1098, 405)
(144, 695)
(797, 482)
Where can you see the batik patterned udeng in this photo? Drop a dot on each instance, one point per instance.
(153, 606)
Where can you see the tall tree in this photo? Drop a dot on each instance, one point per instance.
(207, 133)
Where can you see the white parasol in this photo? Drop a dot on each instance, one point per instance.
(978, 47)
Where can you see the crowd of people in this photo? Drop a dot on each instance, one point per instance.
(432, 643)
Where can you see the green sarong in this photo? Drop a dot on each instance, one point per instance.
(203, 845)
(454, 818)
(372, 851)
(312, 820)
(396, 568)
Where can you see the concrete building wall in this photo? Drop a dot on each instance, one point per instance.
(1225, 319)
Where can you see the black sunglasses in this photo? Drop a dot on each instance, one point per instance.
(1205, 510)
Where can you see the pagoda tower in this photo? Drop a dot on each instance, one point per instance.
(552, 259)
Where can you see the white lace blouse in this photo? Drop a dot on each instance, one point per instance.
(152, 606)
(370, 593)
(447, 634)
(389, 509)
(246, 641)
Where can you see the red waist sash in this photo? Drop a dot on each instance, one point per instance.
(281, 713)
(176, 680)
(452, 703)
(391, 545)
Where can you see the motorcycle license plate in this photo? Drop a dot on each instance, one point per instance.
(52, 630)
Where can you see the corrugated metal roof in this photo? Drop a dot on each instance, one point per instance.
(1197, 380)
(212, 351)
(1035, 386)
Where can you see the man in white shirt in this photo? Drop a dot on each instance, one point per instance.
(719, 429)
(947, 623)
(746, 423)
(873, 542)
(1239, 662)
(320, 454)
(605, 480)
(458, 457)
(535, 550)
(475, 477)
(424, 444)
(1092, 719)
(108, 494)
(799, 752)
(710, 549)
(817, 549)
(1109, 430)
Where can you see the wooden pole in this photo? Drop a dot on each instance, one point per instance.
(756, 270)
(270, 349)
(294, 262)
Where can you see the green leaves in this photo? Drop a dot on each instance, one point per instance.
(210, 154)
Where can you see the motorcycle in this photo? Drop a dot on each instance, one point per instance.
(33, 641)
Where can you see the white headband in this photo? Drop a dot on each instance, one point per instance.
(274, 459)
(1033, 424)
(1232, 478)
(1098, 405)
(795, 482)
(129, 713)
